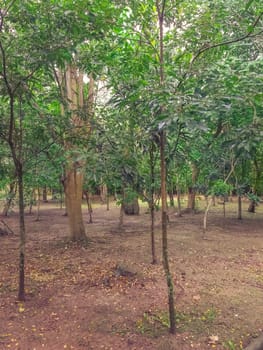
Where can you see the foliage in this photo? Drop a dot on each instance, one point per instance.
(220, 188)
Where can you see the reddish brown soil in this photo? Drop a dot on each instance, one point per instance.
(80, 297)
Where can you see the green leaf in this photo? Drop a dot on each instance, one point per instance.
(249, 4)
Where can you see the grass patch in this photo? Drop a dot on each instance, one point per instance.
(154, 324)
(231, 345)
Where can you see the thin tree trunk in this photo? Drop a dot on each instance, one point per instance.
(212, 199)
(154, 258)
(252, 207)
(121, 217)
(61, 199)
(191, 189)
(179, 201)
(45, 194)
(171, 195)
(164, 234)
(16, 149)
(210, 202)
(239, 201)
(89, 205)
(22, 229)
(160, 5)
(10, 197)
(31, 201)
(103, 193)
(38, 203)
(108, 201)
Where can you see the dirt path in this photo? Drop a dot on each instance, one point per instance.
(107, 295)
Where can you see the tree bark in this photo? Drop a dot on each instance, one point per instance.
(44, 194)
(88, 200)
(73, 185)
(71, 85)
(191, 189)
(151, 204)
(131, 208)
(160, 5)
(108, 201)
(239, 201)
(103, 193)
(252, 207)
(16, 148)
(179, 201)
(10, 197)
(38, 203)
(166, 266)
(121, 217)
(22, 229)
(210, 202)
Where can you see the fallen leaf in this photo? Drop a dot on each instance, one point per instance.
(21, 307)
(213, 339)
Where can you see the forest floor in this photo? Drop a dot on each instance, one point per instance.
(108, 295)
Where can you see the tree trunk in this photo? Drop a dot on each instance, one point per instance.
(191, 199)
(191, 189)
(38, 203)
(151, 204)
(19, 173)
(252, 207)
(71, 85)
(22, 230)
(73, 197)
(164, 234)
(121, 217)
(108, 201)
(160, 5)
(224, 208)
(103, 193)
(171, 198)
(210, 202)
(179, 201)
(10, 197)
(131, 208)
(239, 201)
(61, 197)
(88, 200)
(32, 200)
(44, 195)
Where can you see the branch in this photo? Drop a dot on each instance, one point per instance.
(4, 73)
(26, 78)
(229, 42)
(163, 8)
(8, 229)
(160, 9)
(223, 43)
(4, 12)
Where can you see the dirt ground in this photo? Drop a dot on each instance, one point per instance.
(108, 295)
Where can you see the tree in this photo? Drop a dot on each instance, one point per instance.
(72, 90)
